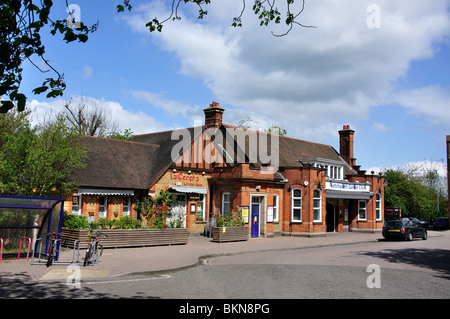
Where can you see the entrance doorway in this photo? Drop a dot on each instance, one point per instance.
(331, 218)
(255, 216)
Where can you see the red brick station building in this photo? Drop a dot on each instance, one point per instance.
(305, 189)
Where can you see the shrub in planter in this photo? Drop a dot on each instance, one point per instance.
(153, 228)
(75, 221)
(230, 228)
(234, 220)
(155, 212)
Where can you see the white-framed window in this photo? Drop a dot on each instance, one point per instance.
(275, 207)
(226, 205)
(76, 204)
(334, 172)
(317, 209)
(102, 206)
(362, 210)
(296, 205)
(126, 206)
(378, 206)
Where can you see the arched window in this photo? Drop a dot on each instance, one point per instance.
(317, 209)
(296, 205)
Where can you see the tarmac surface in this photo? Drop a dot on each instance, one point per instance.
(141, 261)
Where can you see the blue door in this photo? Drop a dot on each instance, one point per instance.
(255, 220)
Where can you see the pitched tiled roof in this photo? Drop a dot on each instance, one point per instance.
(166, 144)
(291, 150)
(117, 164)
(140, 162)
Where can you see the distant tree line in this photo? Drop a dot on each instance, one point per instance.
(421, 191)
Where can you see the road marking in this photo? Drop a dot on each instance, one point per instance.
(64, 274)
(127, 280)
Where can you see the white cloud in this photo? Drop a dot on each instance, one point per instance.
(87, 72)
(312, 80)
(430, 103)
(379, 126)
(418, 167)
(170, 107)
(138, 122)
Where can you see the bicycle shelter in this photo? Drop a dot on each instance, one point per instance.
(25, 218)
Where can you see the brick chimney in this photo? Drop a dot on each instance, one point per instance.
(213, 115)
(346, 145)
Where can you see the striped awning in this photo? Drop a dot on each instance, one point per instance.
(189, 189)
(105, 192)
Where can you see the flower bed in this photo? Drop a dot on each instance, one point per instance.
(154, 228)
(118, 238)
(227, 234)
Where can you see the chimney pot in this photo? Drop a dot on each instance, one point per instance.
(213, 115)
(346, 144)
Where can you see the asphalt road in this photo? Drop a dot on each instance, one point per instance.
(385, 269)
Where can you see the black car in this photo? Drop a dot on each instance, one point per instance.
(403, 229)
(440, 223)
(421, 222)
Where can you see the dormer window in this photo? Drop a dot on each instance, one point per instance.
(335, 172)
(335, 169)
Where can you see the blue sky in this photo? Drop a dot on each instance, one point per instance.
(390, 82)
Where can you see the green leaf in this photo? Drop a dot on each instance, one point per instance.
(40, 89)
(82, 37)
(54, 93)
(21, 101)
(70, 36)
(6, 106)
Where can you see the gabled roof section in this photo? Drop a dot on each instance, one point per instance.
(290, 150)
(182, 138)
(117, 164)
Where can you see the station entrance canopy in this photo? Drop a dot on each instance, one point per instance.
(347, 190)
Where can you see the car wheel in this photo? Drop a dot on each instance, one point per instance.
(425, 235)
(409, 237)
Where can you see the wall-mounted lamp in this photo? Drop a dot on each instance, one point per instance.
(258, 187)
(322, 168)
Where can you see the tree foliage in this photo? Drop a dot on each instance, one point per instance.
(22, 21)
(266, 11)
(412, 190)
(90, 117)
(39, 160)
(21, 24)
(276, 129)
